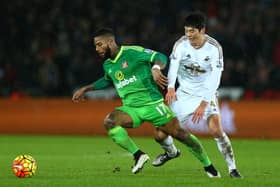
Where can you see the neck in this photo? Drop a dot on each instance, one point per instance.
(199, 42)
(115, 51)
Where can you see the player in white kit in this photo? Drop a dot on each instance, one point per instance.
(197, 63)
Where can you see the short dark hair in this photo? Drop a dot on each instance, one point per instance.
(104, 31)
(195, 19)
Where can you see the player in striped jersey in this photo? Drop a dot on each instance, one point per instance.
(197, 63)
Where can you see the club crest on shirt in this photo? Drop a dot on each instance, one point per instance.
(212, 104)
(206, 59)
(124, 64)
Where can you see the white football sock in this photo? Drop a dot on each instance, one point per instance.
(168, 145)
(225, 148)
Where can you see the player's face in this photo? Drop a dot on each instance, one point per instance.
(102, 47)
(193, 34)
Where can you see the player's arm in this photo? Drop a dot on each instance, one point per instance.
(172, 74)
(159, 60)
(210, 85)
(213, 81)
(100, 84)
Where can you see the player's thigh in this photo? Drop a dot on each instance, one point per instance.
(158, 114)
(118, 117)
(185, 105)
(212, 108)
(173, 128)
(134, 114)
(162, 117)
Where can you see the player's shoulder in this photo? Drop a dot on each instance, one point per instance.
(138, 49)
(214, 45)
(180, 43)
(106, 62)
(132, 48)
(212, 41)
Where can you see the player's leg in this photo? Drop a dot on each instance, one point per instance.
(223, 143)
(165, 120)
(114, 123)
(166, 142)
(193, 144)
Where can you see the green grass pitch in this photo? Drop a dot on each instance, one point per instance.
(91, 161)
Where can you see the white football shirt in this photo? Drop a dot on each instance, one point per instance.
(198, 70)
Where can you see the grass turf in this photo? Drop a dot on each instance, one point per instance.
(92, 161)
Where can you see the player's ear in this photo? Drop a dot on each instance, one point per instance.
(111, 40)
(203, 30)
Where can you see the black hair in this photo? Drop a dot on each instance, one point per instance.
(104, 31)
(196, 20)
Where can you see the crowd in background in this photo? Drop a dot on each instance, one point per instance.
(46, 47)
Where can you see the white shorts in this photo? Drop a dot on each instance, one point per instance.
(186, 104)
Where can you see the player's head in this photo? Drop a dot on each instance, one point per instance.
(104, 41)
(194, 25)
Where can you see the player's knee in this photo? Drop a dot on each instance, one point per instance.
(159, 136)
(216, 131)
(109, 123)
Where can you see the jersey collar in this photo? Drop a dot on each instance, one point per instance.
(118, 55)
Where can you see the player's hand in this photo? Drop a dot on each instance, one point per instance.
(159, 78)
(199, 112)
(170, 95)
(79, 95)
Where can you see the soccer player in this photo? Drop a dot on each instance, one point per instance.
(128, 69)
(197, 62)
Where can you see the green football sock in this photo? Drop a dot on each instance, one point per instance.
(197, 149)
(120, 137)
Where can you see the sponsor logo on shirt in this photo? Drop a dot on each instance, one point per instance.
(119, 75)
(194, 69)
(125, 82)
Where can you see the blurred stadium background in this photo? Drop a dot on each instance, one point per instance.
(46, 46)
(46, 52)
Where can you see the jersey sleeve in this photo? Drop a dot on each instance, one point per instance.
(102, 83)
(175, 58)
(159, 57)
(152, 56)
(213, 81)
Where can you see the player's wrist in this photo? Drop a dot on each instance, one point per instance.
(156, 66)
(203, 103)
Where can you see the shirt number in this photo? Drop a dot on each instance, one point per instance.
(161, 109)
